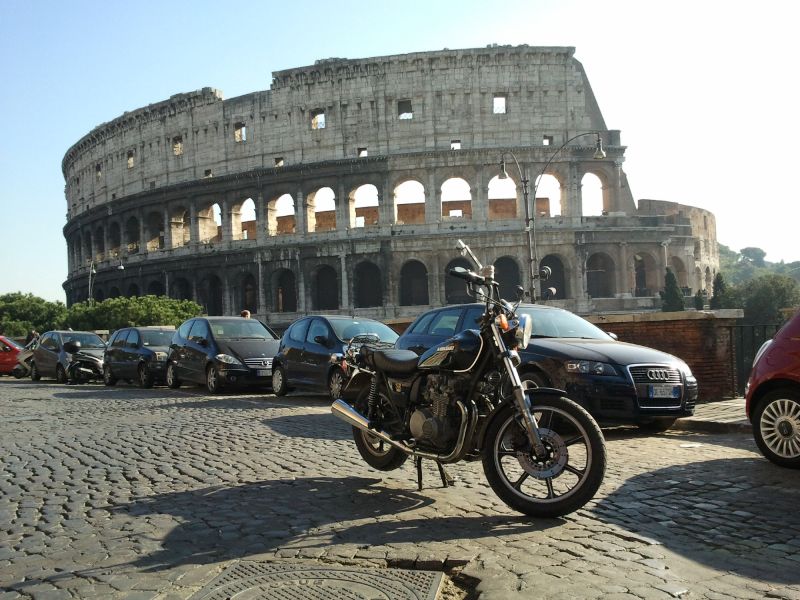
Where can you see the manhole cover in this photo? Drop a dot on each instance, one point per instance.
(257, 581)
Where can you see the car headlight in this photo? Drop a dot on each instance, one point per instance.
(228, 359)
(589, 367)
(159, 356)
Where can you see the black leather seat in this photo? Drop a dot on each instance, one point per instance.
(395, 362)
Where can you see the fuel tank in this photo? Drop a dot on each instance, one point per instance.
(459, 353)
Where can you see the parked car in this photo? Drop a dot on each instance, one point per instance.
(772, 396)
(137, 353)
(9, 349)
(221, 351)
(615, 381)
(309, 349)
(51, 359)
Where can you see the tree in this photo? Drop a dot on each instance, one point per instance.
(115, 313)
(754, 255)
(721, 297)
(699, 300)
(764, 297)
(19, 313)
(671, 297)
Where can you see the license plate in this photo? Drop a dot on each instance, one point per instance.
(264, 372)
(663, 390)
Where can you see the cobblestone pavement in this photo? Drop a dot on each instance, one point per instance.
(136, 494)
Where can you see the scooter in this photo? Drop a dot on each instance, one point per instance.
(23, 366)
(83, 367)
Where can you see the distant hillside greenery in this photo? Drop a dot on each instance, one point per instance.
(765, 290)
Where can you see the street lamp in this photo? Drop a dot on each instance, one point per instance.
(92, 273)
(530, 216)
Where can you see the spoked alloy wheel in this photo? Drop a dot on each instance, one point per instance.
(376, 453)
(776, 428)
(145, 376)
(213, 380)
(561, 481)
(336, 383)
(172, 378)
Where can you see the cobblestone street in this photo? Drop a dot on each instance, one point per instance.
(128, 493)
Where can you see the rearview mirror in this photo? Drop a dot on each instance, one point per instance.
(72, 347)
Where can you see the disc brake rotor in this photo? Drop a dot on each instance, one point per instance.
(552, 463)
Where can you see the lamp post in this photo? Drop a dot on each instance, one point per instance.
(530, 215)
(92, 273)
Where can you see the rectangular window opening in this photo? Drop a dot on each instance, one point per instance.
(130, 159)
(362, 152)
(98, 171)
(499, 104)
(456, 212)
(208, 173)
(547, 140)
(278, 161)
(455, 145)
(318, 119)
(177, 145)
(404, 110)
(240, 132)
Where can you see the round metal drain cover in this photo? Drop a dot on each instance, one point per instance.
(280, 581)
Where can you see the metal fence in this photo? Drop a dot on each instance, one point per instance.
(747, 339)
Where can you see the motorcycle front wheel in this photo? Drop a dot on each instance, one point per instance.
(558, 483)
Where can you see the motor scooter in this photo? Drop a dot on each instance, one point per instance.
(83, 367)
(23, 366)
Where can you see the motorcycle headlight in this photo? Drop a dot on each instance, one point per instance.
(589, 367)
(159, 356)
(228, 359)
(524, 331)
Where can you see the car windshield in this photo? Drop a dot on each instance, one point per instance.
(241, 328)
(156, 338)
(87, 340)
(562, 324)
(347, 329)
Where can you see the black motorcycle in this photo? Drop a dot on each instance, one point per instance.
(542, 453)
(83, 366)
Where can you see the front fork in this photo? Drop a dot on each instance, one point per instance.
(528, 420)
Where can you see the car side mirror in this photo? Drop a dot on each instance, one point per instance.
(322, 339)
(612, 335)
(72, 347)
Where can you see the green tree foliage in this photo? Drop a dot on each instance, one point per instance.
(671, 297)
(721, 296)
(754, 255)
(764, 297)
(114, 313)
(699, 300)
(19, 313)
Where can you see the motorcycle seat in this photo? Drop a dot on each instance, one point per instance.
(395, 362)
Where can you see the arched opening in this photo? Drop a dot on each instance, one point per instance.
(322, 210)
(281, 218)
(99, 295)
(181, 289)
(87, 245)
(600, 276)
(285, 299)
(557, 280)
(679, 269)
(179, 227)
(113, 292)
(506, 272)
(367, 285)
(248, 293)
(502, 195)
(100, 243)
(114, 239)
(646, 275)
(132, 235)
(325, 293)
(209, 224)
(155, 288)
(455, 289)
(363, 206)
(77, 251)
(409, 203)
(154, 234)
(413, 284)
(244, 221)
(592, 201)
(456, 199)
(548, 195)
(210, 293)
(133, 291)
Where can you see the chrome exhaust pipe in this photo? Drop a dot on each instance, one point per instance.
(348, 414)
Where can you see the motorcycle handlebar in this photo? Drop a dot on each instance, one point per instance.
(466, 275)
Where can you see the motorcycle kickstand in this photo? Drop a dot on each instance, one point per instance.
(447, 479)
(418, 463)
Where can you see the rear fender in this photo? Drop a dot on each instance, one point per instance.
(533, 395)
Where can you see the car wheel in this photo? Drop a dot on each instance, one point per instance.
(336, 383)
(213, 380)
(145, 376)
(776, 427)
(172, 378)
(656, 425)
(108, 377)
(61, 374)
(279, 384)
(35, 375)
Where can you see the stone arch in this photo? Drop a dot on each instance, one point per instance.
(181, 289)
(281, 215)
(679, 269)
(179, 226)
(367, 285)
(132, 234)
(77, 249)
(455, 289)
(325, 289)
(363, 206)
(99, 295)
(594, 202)
(247, 293)
(153, 232)
(549, 196)
(87, 245)
(244, 220)
(409, 202)
(558, 278)
(133, 290)
(285, 291)
(322, 210)
(114, 239)
(413, 284)
(646, 276)
(507, 273)
(502, 195)
(113, 292)
(600, 276)
(100, 242)
(210, 295)
(456, 198)
(209, 223)
(155, 288)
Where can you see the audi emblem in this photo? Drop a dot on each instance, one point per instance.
(658, 375)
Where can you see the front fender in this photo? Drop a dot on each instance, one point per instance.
(508, 404)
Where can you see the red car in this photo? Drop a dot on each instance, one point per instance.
(773, 396)
(8, 354)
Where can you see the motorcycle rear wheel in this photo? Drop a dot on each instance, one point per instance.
(557, 484)
(376, 453)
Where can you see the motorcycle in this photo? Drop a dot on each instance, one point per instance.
(23, 366)
(83, 366)
(463, 399)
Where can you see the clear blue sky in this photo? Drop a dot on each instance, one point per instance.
(704, 93)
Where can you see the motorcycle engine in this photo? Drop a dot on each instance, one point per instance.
(434, 422)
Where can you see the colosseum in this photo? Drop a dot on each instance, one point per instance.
(346, 185)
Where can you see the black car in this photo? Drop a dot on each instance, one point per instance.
(221, 351)
(137, 353)
(310, 347)
(615, 381)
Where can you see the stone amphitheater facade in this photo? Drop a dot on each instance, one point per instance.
(325, 192)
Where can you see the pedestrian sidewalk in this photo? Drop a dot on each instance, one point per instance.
(719, 416)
